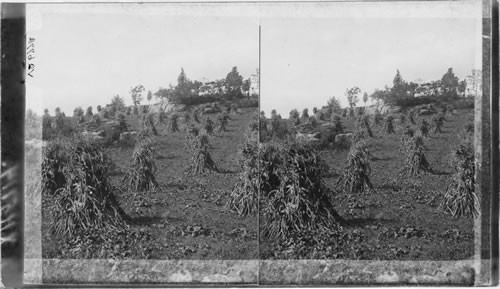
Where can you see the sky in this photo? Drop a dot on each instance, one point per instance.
(307, 60)
(86, 54)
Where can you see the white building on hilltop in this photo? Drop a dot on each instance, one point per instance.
(254, 83)
(474, 85)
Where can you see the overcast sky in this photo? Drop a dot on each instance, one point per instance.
(85, 54)
(304, 61)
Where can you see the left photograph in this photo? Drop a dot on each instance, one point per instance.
(137, 122)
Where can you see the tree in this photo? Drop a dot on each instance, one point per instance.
(89, 111)
(334, 104)
(234, 81)
(77, 112)
(305, 113)
(365, 97)
(150, 96)
(99, 108)
(183, 88)
(136, 94)
(118, 103)
(449, 84)
(352, 95)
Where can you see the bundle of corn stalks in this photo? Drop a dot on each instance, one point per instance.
(337, 124)
(460, 198)
(377, 118)
(209, 126)
(244, 195)
(187, 119)
(148, 124)
(80, 186)
(221, 123)
(141, 174)
(173, 125)
(195, 116)
(363, 125)
(162, 116)
(122, 124)
(415, 161)
(355, 177)
(293, 195)
(388, 126)
(424, 128)
(350, 114)
(191, 137)
(437, 122)
(411, 116)
(201, 159)
(408, 133)
(402, 120)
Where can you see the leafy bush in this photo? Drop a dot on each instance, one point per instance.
(75, 172)
(293, 195)
(141, 174)
(355, 177)
(460, 198)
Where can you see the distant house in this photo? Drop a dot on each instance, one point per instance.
(474, 83)
(254, 83)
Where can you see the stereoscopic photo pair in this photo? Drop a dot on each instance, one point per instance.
(250, 143)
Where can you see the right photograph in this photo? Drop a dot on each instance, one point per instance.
(367, 135)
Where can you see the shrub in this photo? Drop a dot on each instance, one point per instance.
(388, 125)
(141, 174)
(96, 119)
(173, 125)
(162, 116)
(201, 159)
(129, 110)
(76, 172)
(415, 161)
(355, 177)
(460, 198)
(293, 195)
